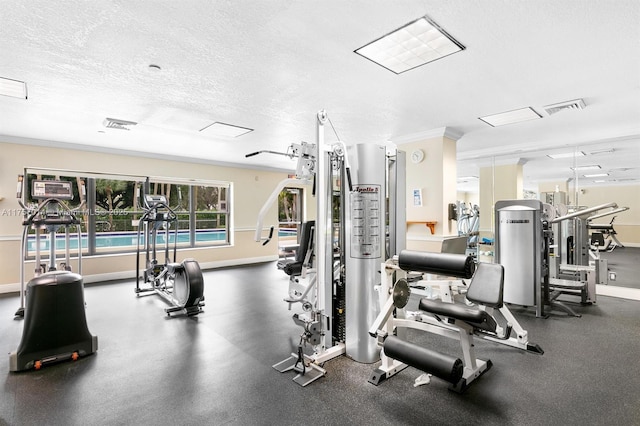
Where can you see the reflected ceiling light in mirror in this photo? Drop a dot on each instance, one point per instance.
(567, 155)
(602, 151)
(511, 117)
(589, 167)
(413, 45)
(596, 175)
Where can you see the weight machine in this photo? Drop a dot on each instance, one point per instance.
(609, 240)
(336, 285)
(468, 219)
(534, 276)
(439, 317)
(575, 260)
(181, 285)
(52, 304)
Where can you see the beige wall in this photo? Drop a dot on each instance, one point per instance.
(250, 190)
(436, 177)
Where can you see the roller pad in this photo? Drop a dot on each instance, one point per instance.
(440, 365)
(452, 265)
(475, 317)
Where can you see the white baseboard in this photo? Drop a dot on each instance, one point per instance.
(126, 275)
(621, 292)
(636, 245)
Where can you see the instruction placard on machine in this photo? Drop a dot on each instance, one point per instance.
(366, 230)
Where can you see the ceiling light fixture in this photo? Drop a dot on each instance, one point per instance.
(13, 88)
(225, 130)
(511, 117)
(590, 167)
(413, 45)
(596, 175)
(566, 155)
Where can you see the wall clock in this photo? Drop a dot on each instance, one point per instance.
(417, 156)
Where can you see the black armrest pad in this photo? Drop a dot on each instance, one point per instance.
(475, 317)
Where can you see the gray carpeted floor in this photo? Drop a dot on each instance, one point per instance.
(215, 369)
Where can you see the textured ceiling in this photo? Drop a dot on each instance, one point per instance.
(272, 65)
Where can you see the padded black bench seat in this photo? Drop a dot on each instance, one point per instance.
(475, 317)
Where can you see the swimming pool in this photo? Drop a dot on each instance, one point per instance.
(130, 239)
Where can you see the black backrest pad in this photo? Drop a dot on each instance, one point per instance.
(487, 285)
(451, 265)
(306, 239)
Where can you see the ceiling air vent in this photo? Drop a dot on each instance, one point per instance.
(114, 123)
(562, 106)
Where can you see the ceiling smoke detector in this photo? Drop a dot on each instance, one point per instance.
(567, 105)
(114, 123)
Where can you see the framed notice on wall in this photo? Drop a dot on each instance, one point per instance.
(417, 197)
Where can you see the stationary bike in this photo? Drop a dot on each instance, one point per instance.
(180, 284)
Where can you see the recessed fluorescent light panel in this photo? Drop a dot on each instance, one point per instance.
(13, 88)
(566, 155)
(597, 175)
(417, 43)
(510, 117)
(589, 167)
(225, 130)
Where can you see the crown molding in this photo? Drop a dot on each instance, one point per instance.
(442, 132)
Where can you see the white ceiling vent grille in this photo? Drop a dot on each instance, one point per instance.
(114, 123)
(562, 106)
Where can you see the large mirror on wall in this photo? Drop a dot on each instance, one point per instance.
(600, 178)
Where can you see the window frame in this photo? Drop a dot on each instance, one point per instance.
(91, 209)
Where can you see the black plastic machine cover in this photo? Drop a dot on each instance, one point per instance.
(55, 321)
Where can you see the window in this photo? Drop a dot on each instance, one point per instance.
(289, 217)
(112, 206)
(211, 214)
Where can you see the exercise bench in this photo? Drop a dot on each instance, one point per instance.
(451, 320)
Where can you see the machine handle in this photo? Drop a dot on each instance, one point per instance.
(269, 237)
(584, 212)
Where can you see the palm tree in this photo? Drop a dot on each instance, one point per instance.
(108, 190)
